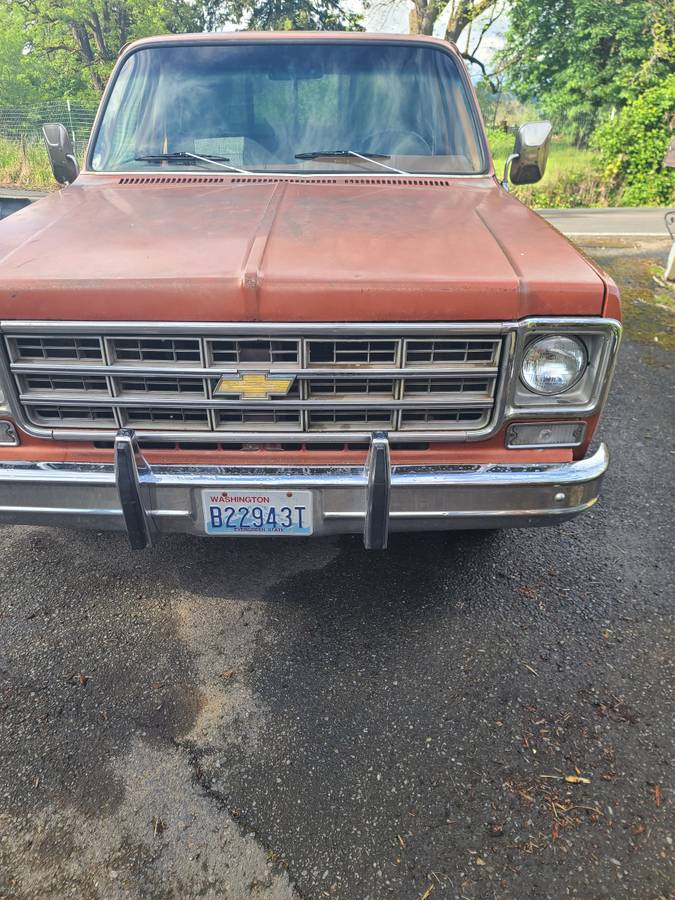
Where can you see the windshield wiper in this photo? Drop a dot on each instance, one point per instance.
(185, 156)
(368, 157)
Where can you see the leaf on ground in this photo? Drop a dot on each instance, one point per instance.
(577, 779)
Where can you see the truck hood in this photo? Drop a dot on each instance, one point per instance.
(222, 248)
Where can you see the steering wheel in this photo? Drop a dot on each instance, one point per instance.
(389, 138)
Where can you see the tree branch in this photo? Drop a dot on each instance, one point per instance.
(494, 85)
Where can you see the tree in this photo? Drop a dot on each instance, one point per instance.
(77, 36)
(466, 24)
(577, 58)
(290, 15)
(632, 145)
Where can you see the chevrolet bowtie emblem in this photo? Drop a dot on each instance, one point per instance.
(254, 385)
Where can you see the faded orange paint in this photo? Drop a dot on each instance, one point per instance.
(373, 250)
(234, 248)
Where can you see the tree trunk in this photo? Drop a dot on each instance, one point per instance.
(460, 17)
(79, 32)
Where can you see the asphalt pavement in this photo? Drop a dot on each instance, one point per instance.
(461, 716)
(641, 222)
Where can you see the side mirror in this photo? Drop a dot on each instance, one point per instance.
(530, 153)
(61, 153)
(669, 158)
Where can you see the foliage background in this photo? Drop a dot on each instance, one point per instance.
(602, 70)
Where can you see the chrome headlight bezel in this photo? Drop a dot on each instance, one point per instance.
(585, 395)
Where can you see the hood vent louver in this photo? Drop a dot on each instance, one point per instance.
(290, 179)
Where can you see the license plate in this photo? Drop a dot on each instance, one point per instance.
(258, 512)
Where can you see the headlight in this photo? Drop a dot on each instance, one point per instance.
(552, 365)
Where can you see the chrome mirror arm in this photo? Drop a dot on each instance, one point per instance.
(507, 166)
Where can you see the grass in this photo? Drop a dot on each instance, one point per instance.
(25, 164)
(571, 179)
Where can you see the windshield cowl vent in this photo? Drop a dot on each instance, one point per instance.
(290, 179)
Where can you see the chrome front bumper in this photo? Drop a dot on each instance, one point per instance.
(373, 499)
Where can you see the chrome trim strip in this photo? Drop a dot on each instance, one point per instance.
(123, 371)
(465, 513)
(189, 401)
(61, 511)
(88, 511)
(19, 327)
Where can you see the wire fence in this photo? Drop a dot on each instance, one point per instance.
(503, 112)
(24, 124)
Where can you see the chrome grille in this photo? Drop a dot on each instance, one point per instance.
(413, 381)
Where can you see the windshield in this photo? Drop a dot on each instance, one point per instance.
(260, 106)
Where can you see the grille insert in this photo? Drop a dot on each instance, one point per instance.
(349, 420)
(82, 384)
(71, 416)
(177, 351)
(58, 349)
(268, 351)
(166, 417)
(341, 381)
(423, 387)
(337, 388)
(419, 419)
(259, 420)
(352, 353)
(141, 385)
(440, 352)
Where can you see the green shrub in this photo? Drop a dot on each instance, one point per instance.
(631, 148)
(501, 142)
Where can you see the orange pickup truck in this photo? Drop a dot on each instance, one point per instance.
(288, 295)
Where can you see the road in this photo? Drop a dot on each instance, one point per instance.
(627, 222)
(309, 720)
(14, 199)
